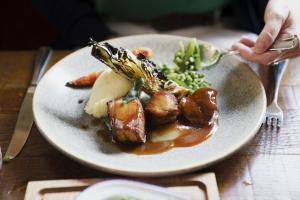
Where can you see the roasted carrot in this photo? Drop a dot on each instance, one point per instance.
(144, 51)
(85, 81)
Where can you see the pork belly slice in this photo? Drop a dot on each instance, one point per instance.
(162, 108)
(127, 121)
(200, 108)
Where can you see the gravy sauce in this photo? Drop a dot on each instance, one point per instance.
(189, 136)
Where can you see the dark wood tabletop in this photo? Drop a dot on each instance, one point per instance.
(267, 168)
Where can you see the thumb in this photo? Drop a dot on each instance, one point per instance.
(273, 25)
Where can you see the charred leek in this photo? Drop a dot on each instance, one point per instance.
(125, 63)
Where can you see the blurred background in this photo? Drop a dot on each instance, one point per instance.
(67, 24)
(23, 27)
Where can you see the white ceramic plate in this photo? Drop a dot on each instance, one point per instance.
(116, 189)
(62, 121)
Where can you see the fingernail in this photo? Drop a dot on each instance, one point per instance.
(260, 47)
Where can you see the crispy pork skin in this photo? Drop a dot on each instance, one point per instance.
(127, 121)
(200, 107)
(162, 108)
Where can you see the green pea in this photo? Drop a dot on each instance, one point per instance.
(191, 59)
(189, 78)
(179, 60)
(194, 75)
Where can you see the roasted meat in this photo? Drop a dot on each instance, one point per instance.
(127, 121)
(200, 108)
(162, 108)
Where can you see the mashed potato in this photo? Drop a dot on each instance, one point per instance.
(108, 86)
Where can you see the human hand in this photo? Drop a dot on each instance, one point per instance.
(279, 23)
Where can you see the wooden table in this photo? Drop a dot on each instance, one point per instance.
(268, 168)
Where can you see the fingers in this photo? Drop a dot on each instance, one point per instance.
(247, 41)
(249, 54)
(275, 16)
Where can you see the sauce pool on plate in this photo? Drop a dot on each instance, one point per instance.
(169, 136)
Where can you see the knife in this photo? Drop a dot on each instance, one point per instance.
(25, 117)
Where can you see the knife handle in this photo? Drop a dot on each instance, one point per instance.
(43, 56)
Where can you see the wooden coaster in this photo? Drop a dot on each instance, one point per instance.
(196, 186)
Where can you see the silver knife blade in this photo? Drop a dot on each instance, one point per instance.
(23, 126)
(25, 117)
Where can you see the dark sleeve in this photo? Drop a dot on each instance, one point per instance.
(74, 21)
(249, 14)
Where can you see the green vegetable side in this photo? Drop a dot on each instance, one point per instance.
(190, 61)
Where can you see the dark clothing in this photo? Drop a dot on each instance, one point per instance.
(77, 20)
(74, 21)
(249, 14)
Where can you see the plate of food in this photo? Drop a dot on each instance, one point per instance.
(149, 105)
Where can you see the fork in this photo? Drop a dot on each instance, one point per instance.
(280, 44)
(274, 114)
